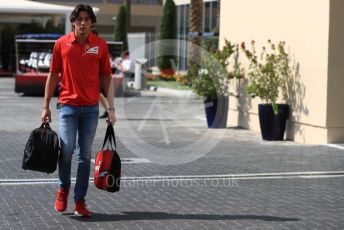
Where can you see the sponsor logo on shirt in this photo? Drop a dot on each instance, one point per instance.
(92, 49)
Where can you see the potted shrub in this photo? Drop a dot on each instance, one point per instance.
(268, 74)
(213, 81)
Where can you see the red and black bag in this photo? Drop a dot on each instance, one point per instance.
(107, 170)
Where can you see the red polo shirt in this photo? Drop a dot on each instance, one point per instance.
(81, 67)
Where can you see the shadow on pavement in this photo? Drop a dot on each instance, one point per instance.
(149, 119)
(171, 216)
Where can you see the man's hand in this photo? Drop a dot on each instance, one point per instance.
(46, 115)
(112, 117)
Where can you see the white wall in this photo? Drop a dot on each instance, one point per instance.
(305, 27)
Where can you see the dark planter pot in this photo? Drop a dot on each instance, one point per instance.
(216, 112)
(272, 126)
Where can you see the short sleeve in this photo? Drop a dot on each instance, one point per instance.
(56, 60)
(104, 63)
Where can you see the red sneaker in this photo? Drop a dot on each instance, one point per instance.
(81, 210)
(61, 200)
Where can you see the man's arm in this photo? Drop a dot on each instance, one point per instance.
(50, 86)
(108, 87)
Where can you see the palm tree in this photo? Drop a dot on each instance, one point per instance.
(195, 25)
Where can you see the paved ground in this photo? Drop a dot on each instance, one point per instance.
(191, 177)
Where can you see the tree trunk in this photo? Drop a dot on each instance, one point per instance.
(218, 13)
(196, 20)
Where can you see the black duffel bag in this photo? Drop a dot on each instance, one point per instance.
(41, 150)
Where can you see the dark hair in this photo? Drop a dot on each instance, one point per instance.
(86, 8)
(125, 53)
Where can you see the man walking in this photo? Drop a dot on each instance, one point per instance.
(82, 61)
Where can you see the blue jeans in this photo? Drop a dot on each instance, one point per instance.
(77, 125)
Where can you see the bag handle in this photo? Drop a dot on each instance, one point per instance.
(110, 136)
(45, 125)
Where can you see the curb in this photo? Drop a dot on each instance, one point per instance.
(176, 92)
(179, 93)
